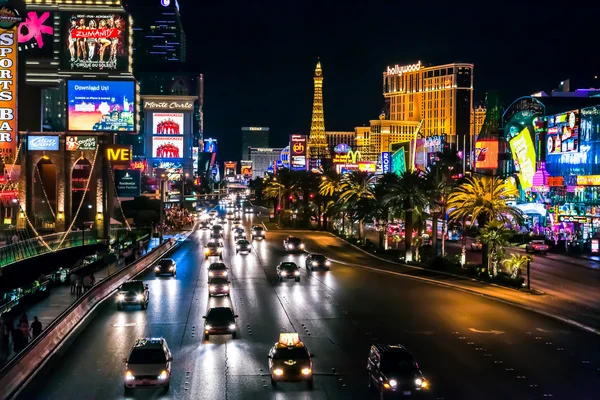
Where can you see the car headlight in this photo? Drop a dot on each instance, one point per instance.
(297, 273)
(237, 247)
(328, 263)
(139, 297)
(163, 375)
(393, 383)
(206, 251)
(224, 273)
(418, 381)
(171, 268)
(129, 375)
(278, 372)
(314, 263)
(157, 269)
(306, 371)
(302, 246)
(219, 250)
(212, 288)
(207, 327)
(283, 273)
(121, 297)
(232, 326)
(227, 287)
(211, 274)
(424, 384)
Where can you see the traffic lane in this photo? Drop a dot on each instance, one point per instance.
(500, 326)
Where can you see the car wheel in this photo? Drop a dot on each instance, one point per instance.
(309, 383)
(370, 383)
(236, 252)
(157, 275)
(297, 279)
(280, 279)
(233, 335)
(273, 383)
(166, 388)
(206, 336)
(206, 257)
(119, 307)
(382, 395)
(312, 268)
(127, 391)
(220, 257)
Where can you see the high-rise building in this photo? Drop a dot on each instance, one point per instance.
(441, 96)
(262, 158)
(317, 142)
(254, 136)
(477, 118)
(335, 138)
(158, 36)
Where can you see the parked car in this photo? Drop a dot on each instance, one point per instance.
(476, 245)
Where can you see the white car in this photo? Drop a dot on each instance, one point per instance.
(148, 364)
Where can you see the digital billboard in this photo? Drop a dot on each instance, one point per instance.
(563, 133)
(36, 34)
(167, 146)
(386, 162)
(8, 92)
(75, 143)
(246, 168)
(94, 41)
(210, 145)
(128, 182)
(298, 152)
(101, 105)
(167, 123)
(230, 168)
(523, 153)
(367, 166)
(486, 154)
(42, 143)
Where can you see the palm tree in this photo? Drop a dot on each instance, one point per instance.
(495, 236)
(355, 189)
(328, 188)
(515, 263)
(410, 195)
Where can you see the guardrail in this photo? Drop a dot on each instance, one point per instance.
(21, 369)
(33, 247)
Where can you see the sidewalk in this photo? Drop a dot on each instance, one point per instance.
(60, 297)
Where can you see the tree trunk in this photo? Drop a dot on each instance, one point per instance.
(343, 223)
(408, 229)
(381, 236)
(434, 237)
(485, 247)
(319, 222)
(361, 231)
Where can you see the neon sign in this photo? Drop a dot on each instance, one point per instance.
(402, 69)
(523, 152)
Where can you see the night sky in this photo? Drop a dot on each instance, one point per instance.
(258, 57)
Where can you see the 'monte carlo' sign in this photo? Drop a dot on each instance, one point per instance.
(168, 105)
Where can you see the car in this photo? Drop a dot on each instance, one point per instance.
(218, 286)
(293, 244)
(288, 270)
(133, 293)
(476, 245)
(242, 246)
(290, 361)
(230, 215)
(213, 213)
(213, 249)
(166, 266)
(249, 210)
(220, 321)
(258, 232)
(239, 233)
(204, 225)
(216, 232)
(220, 220)
(536, 246)
(148, 364)
(316, 261)
(426, 240)
(217, 270)
(392, 371)
(236, 223)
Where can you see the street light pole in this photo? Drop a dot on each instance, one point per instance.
(528, 274)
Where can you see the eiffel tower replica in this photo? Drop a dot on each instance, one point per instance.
(317, 142)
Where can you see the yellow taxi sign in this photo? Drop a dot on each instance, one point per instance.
(289, 339)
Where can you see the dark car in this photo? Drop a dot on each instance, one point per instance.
(240, 233)
(133, 293)
(242, 246)
(220, 321)
(392, 371)
(218, 286)
(204, 225)
(166, 266)
(290, 361)
(216, 232)
(288, 270)
(258, 232)
(213, 249)
(316, 261)
(292, 244)
(217, 270)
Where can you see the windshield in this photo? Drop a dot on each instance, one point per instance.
(400, 363)
(258, 229)
(318, 257)
(243, 242)
(216, 266)
(147, 356)
(289, 266)
(290, 354)
(218, 281)
(165, 263)
(219, 314)
(538, 242)
(132, 287)
(211, 244)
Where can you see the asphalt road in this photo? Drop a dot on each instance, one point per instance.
(468, 347)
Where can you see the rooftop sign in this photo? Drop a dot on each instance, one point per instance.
(401, 69)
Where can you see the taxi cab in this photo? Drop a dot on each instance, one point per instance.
(290, 361)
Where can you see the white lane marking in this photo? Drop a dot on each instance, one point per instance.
(495, 332)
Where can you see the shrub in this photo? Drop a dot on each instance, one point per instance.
(443, 264)
(505, 279)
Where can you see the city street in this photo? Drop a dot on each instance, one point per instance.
(467, 346)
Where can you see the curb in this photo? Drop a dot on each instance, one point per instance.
(567, 321)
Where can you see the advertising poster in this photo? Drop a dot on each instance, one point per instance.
(167, 123)
(101, 106)
(42, 143)
(386, 162)
(563, 133)
(367, 166)
(167, 146)
(210, 145)
(298, 152)
(486, 154)
(8, 94)
(36, 34)
(128, 182)
(75, 143)
(230, 168)
(94, 42)
(246, 168)
(523, 153)
(195, 156)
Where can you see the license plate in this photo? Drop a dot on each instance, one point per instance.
(407, 392)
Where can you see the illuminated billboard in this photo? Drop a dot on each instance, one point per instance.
(76, 143)
(210, 145)
(563, 133)
(42, 143)
(246, 168)
(386, 162)
(128, 182)
(523, 153)
(8, 93)
(367, 166)
(167, 123)
(298, 152)
(486, 154)
(36, 34)
(230, 168)
(167, 146)
(101, 106)
(94, 42)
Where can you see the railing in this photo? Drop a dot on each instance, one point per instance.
(33, 247)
